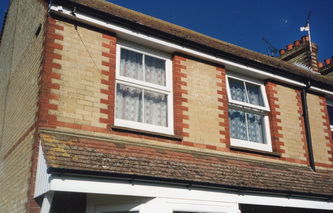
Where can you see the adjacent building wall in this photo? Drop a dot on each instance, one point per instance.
(20, 65)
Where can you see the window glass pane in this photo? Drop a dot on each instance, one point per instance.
(131, 64)
(237, 90)
(237, 124)
(255, 125)
(254, 94)
(156, 108)
(155, 70)
(129, 103)
(330, 113)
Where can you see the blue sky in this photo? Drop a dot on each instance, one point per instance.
(243, 22)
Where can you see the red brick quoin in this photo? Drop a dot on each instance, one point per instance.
(178, 98)
(274, 121)
(44, 105)
(302, 124)
(110, 75)
(44, 118)
(326, 123)
(223, 109)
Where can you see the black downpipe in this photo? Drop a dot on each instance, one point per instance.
(307, 126)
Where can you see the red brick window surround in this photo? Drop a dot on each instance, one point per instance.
(328, 122)
(224, 108)
(111, 76)
(47, 73)
(178, 98)
(274, 119)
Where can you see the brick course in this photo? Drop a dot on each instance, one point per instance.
(180, 103)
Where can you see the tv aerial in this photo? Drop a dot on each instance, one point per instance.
(307, 28)
(270, 47)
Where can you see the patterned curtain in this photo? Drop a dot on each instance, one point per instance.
(131, 64)
(155, 108)
(129, 103)
(254, 94)
(237, 90)
(237, 124)
(255, 128)
(246, 126)
(141, 105)
(245, 92)
(155, 71)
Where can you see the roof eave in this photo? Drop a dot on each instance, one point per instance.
(135, 178)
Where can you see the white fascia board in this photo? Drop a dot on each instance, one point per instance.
(129, 34)
(42, 178)
(112, 187)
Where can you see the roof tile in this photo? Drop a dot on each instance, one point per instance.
(113, 158)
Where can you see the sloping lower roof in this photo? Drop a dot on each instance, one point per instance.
(111, 159)
(172, 31)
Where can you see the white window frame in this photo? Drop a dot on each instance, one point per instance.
(252, 108)
(167, 89)
(330, 103)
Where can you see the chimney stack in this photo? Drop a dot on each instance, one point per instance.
(299, 52)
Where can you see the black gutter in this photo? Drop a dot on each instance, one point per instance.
(137, 179)
(307, 126)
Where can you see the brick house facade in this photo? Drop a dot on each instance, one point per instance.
(105, 109)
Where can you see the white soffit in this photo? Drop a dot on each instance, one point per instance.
(144, 189)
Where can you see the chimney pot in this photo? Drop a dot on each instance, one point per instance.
(327, 61)
(297, 43)
(305, 38)
(320, 64)
(289, 46)
(282, 51)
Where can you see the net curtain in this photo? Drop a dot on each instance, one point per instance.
(136, 104)
(244, 125)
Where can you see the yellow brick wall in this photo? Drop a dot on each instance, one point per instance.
(15, 173)
(290, 123)
(203, 112)
(20, 64)
(80, 84)
(80, 95)
(318, 134)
